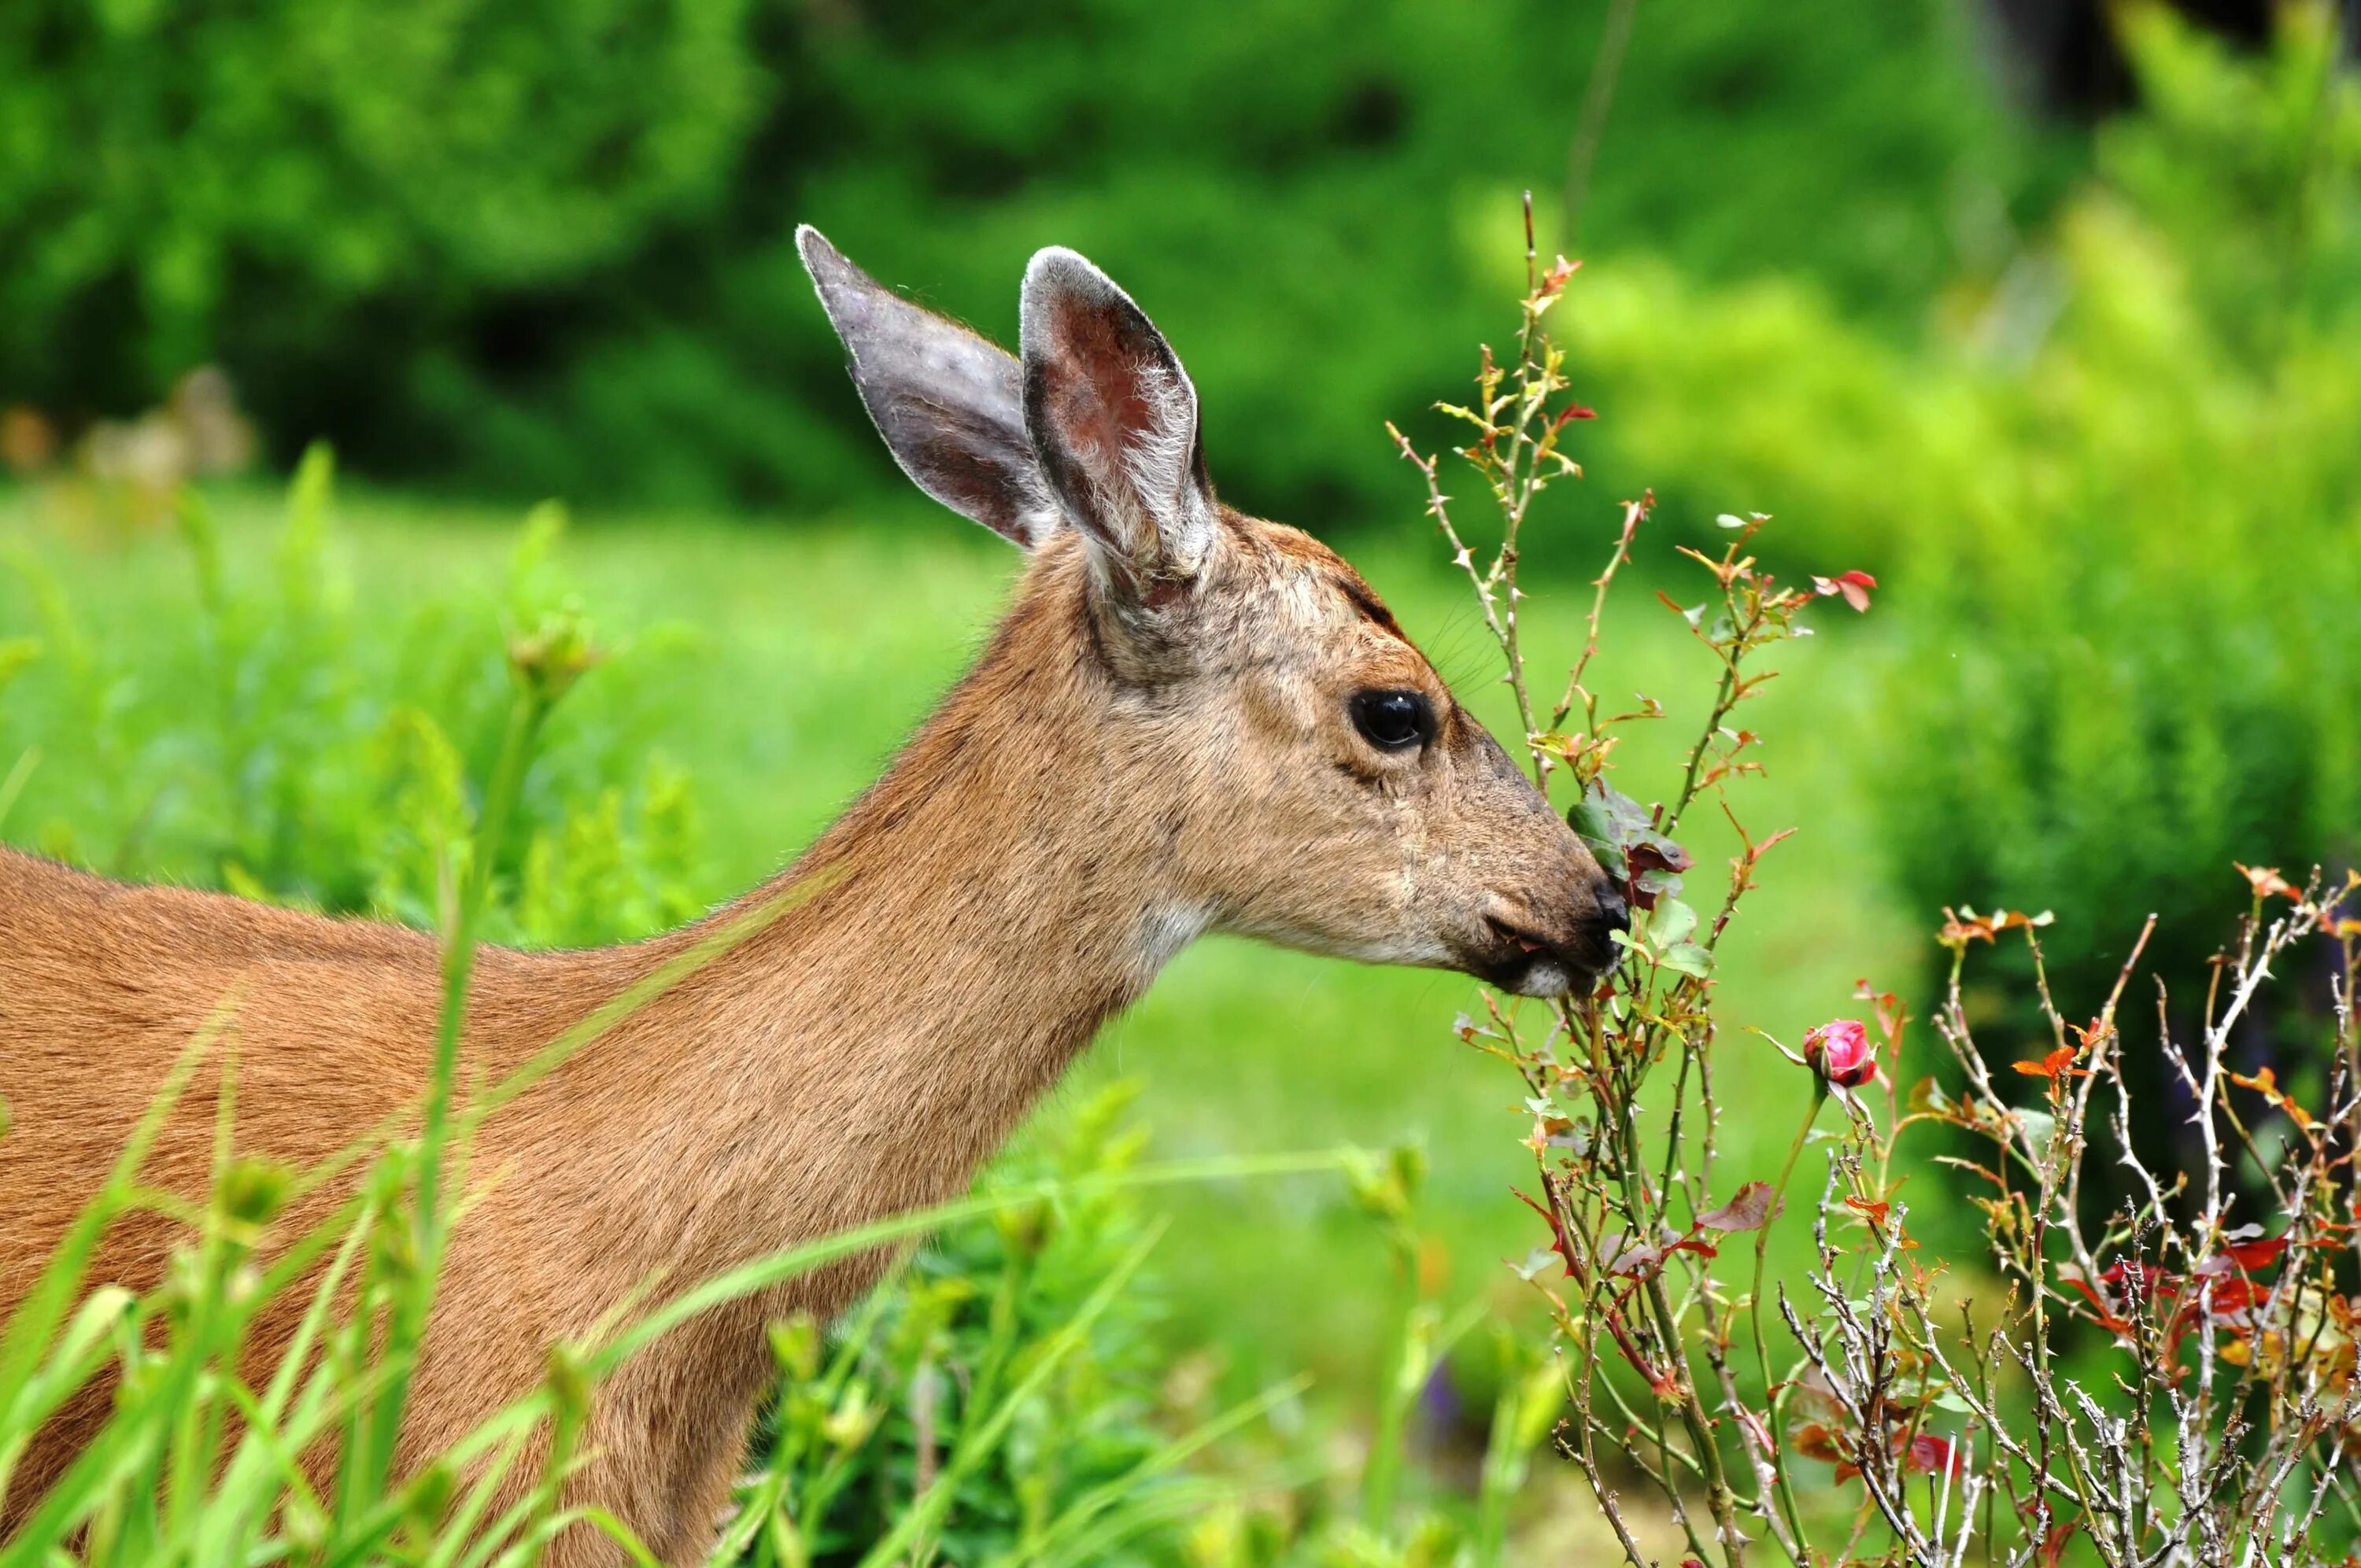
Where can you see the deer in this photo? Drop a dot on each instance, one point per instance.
(1187, 720)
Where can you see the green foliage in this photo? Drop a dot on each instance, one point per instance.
(2118, 497)
(1000, 1400)
(268, 746)
(2144, 627)
(182, 182)
(547, 247)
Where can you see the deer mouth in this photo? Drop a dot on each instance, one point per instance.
(1532, 963)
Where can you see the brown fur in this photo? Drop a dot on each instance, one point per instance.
(1094, 793)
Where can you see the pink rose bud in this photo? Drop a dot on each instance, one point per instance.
(1840, 1052)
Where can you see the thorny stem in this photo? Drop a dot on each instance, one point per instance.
(1780, 1470)
(1515, 452)
(2044, 1461)
(1725, 698)
(1635, 514)
(1438, 507)
(1693, 1415)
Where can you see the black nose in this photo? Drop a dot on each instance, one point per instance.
(1613, 913)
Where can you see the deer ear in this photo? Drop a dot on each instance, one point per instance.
(1114, 423)
(950, 404)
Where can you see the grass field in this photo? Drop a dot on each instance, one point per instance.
(780, 663)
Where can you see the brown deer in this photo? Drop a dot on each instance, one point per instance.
(1188, 721)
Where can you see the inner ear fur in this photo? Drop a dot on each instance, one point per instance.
(1113, 418)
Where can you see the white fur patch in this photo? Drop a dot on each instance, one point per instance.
(1543, 978)
(1037, 524)
(1164, 931)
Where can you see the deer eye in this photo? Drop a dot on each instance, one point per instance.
(1393, 720)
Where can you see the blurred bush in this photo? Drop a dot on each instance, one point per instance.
(2141, 655)
(2119, 494)
(327, 192)
(545, 248)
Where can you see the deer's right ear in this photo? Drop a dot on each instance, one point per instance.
(1113, 418)
(950, 404)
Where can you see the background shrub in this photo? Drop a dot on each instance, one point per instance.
(2139, 658)
(2124, 544)
(547, 248)
(184, 182)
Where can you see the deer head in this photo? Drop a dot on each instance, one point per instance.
(1308, 776)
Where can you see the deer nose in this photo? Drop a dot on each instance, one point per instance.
(1614, 914)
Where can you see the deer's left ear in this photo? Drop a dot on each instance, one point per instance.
(949, 405)
(1114, 422)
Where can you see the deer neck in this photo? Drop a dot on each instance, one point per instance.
(983, 909)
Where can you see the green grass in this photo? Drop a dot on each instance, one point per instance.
(780, 663)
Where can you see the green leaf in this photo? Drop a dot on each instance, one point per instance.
(1927, 1097)
(1621, 835)
(1671, 921)
(2040, 1126)
(1687, 958)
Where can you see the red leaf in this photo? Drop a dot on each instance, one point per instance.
(1932, 1455)
(2259, 1252)
(1757, 1429)
(1749, 1209)
(2266, 881)
(1853, 585)
(2266, 1083)
(1637, 1262)
(2146, 1278)
(1814, 1440)
(1659, 855)
(1874, 1213)
(2099, 1312)
(2059, 1063)
(2234, 1297)
(1961, 927)
(1560, 1243)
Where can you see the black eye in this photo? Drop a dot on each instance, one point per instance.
(1393, 720)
